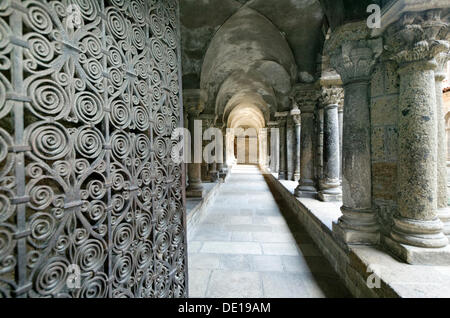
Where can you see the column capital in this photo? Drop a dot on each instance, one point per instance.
(352, 52)
(281, 117)
(442, 60)
(305, 96)
(296, 115)
(194, 100)
(331, 96)
(417, 37)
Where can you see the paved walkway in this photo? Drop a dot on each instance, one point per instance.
(245, 248)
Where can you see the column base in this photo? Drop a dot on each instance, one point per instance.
(282, 175)
(195, 193)
(419, 255)
(214, 176)
(328, 197)
(306, 192)
(297, 176)
(419, 233)
(354, 237)
(330, 193)
(357, 227)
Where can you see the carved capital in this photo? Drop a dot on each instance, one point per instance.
(331, 96)
(441, 70)
(352, 53)
(296, 115)
(194, 101)
(305, 96)
(417, 37)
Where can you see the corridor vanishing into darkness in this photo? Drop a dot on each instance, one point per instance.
(249, 245)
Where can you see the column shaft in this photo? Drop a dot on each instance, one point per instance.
(443, 209)
(307, 184)
(330, 184)
(418, 224)
(282, 174)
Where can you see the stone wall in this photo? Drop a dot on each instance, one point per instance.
(384, 103)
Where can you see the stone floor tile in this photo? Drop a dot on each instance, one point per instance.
(280, 249)
(231, 248)
(235, 262)
(248, 245)
(232, 284)
(209, 235)
(203, 261)
(241, 237)
(198, 282)
(266, 263)
(273, 237)
(194, 247)
(283, 285)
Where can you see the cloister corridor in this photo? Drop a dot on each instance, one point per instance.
(248, 245)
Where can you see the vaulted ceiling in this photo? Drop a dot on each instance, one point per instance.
(253, 51)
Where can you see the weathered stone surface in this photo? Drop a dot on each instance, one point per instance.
(385, 180)
(306, 96)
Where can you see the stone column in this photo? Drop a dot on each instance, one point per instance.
(193, 103)
(443, 209)
(281, 118)
(319, 142)
(353, 57)
(274, 147)
(306, 97)
(296, 116)
(262, 139)
(341, 134)
(330, 189)
(290, 148)
(412, 43)
(213, 172)
(223, 167)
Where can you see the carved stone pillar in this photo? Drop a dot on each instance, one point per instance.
(413, 44)
(443, 209)
(306, 97)
(262, 140)
(213, 172)
(341, 134)
(282, 119)
(223, 167)
(330, 185)
(290, 147)
(296, 116)
(319, 142)
(353, 57)
(193, 103)
(274, 147)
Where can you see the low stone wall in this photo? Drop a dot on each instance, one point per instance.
(197, 208)
(362, 266)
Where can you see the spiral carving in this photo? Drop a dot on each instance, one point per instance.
(100, 99)
(89, 142)
(50, 142)
(89, 108)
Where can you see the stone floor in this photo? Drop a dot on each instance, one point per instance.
(248, 246)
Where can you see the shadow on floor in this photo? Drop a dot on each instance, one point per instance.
(321, 269)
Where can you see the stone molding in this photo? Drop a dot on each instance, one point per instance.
(391, 12)
(416, 37)
(442, 60)
(194, 100)
(331, 96)
(296, 115)
(306, 96)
